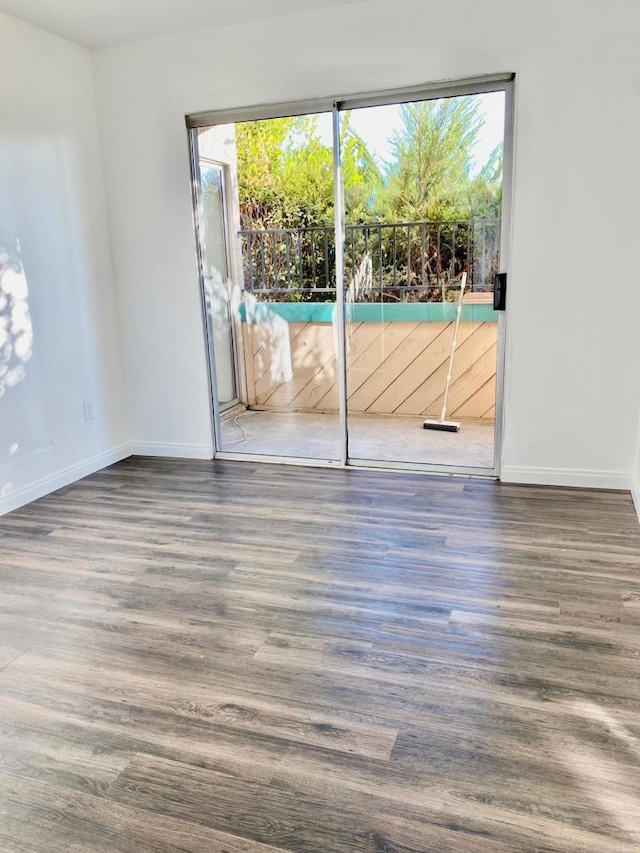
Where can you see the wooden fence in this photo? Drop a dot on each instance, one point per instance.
(392, 367)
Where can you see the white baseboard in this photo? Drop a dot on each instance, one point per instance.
(177, 451)
(509, 474)
(33, 491)
(635, 492)
(585, 479)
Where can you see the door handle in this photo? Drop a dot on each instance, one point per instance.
(500, 292)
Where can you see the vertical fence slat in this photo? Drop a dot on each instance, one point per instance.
(380, 250)
(395, 258)
(439, 277)
(452, 265)
(408, 256)
(287, 236)
(470, 269)
(263, 264)
(248, 249)
(274, 255)
(326, 257)
(484, 255)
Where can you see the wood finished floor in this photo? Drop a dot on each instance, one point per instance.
(236, 658)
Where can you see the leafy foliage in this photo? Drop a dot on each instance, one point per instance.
(361, 174)
(286, 170)
(429, 175)
(485, 191)
(286, 173)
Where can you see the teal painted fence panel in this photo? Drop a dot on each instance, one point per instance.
(367, 312)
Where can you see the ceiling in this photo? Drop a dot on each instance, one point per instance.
(97, 23)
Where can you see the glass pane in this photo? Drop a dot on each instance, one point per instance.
(422, 243)
(281, 193)
(217, 282)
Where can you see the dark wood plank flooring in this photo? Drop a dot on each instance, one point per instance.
(236, 658)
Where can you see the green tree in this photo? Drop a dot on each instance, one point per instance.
(259, 147)
(285, 173)
(429, 175)
(361, 175)
(485, 191)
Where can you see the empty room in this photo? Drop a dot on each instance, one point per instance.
(319, 426)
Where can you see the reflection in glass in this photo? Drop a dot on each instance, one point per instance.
(217, 280)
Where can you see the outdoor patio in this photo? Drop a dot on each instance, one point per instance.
(419, 323)
(390, 438)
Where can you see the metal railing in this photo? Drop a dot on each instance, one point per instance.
(402, 261)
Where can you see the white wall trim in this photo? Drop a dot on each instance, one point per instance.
(40, 488)
(635, 493)
(176, 451)
(583, 478)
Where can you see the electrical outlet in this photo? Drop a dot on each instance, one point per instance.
(87, 408)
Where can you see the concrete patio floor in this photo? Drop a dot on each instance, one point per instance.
(387, 438)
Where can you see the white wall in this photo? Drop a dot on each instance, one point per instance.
(58, 322)
(572, 392)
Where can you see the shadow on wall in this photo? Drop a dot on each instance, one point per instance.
(16, 332)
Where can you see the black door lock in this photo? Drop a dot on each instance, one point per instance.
(500, 292)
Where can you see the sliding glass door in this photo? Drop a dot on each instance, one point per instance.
(348, 257)
(280, 193)
(422, 249)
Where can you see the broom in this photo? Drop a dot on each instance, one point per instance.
(441, 423)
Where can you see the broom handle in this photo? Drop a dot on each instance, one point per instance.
(463, 284)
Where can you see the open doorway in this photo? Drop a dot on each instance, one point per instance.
(361, 247)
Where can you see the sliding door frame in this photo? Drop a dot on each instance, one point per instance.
(501, 83)
(430, 91)
(340, 232)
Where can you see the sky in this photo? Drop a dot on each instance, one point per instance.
(376, 124)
